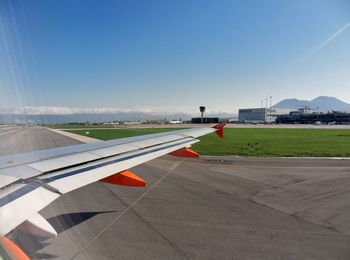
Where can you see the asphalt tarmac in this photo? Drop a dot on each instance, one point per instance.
(27, 139)
(206, 208)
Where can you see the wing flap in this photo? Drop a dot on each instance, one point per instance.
(79, 177)
(20, 202)
(74, 178)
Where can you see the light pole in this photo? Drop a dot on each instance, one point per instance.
(270, 109)
(265, 110)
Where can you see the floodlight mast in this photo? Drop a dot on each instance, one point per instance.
(202, 110)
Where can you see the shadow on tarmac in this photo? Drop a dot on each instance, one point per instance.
(31, 243)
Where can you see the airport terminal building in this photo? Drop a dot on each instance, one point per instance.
(260, 115)
(296, 117)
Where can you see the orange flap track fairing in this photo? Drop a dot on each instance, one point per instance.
(13, 250)
(185, 152)
(125, 178)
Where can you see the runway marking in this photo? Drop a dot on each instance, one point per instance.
(81, 138)
(9, 131)
(128, 208)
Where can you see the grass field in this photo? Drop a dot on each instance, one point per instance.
(108, 134)
(255, 142)
(73, 126)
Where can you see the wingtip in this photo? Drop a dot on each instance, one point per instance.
(220, 125)
(220, 129)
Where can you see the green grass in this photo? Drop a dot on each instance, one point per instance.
(255, 142)
(73, 126)
(108, 134)
(277, 142)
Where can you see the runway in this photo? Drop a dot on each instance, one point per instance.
(207, 208)
(27, 139)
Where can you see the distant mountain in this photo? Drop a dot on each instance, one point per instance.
(321, 104)
(330, 103)
(292, 103)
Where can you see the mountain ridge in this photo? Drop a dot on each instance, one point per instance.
(322, 104)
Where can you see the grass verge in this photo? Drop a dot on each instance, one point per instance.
(255, 142)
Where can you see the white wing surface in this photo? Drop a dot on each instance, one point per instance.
(31, 181)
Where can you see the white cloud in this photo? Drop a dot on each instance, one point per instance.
(50, 110)
(54, 110)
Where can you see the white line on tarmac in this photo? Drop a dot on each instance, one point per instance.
(9, 132)
(81, 138)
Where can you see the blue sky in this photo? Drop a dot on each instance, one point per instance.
(172, 55)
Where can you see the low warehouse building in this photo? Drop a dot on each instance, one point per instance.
(252, 115)
(206, 120)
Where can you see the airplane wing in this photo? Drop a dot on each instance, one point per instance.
(31, 181)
